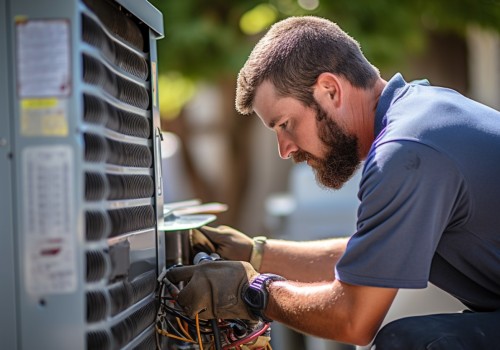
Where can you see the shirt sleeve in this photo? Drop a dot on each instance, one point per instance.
(408, 195)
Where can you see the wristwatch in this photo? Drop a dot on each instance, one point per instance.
(256, 295)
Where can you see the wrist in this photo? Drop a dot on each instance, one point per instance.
(257, 251)
(256, 295)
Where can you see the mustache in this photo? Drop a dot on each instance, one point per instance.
(300, 156)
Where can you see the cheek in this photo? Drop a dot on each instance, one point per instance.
(307, 131)
(313, 142)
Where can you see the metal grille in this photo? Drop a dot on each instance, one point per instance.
(124, 331)
(119, 180)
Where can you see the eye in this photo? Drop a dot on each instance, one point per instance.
(283, 126)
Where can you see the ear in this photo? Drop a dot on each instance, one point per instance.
(328, 90)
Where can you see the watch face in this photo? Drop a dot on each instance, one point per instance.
(254, 298)
(256, 295)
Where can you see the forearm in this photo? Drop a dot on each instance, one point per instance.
(312, 261)
(305, 307)
(332, 310)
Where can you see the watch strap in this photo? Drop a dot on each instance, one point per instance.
(260, 285)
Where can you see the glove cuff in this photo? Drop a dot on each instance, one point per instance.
(257, 251)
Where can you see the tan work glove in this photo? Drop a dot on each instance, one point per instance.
(214, 289)
(229, 243)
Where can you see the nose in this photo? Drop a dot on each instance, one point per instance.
(286, 147)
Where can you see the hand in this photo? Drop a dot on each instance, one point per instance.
(229, 243)
(214, 289)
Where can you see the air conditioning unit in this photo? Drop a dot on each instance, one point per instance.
(80, 174)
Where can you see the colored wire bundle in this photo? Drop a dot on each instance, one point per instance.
(202, 334)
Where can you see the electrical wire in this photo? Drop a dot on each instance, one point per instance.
(170, 335)
(197, 319)
(247, 339)
(231, 334)
(215, 329)
(183, 330)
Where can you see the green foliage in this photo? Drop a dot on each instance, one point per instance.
(204, 39)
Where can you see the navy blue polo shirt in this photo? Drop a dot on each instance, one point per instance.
(430, 197)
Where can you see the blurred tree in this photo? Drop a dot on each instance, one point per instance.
(210, 41)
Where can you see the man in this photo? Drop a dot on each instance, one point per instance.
(429, 194)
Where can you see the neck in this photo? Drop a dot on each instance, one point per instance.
(363, 107)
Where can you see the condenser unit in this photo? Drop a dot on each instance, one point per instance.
(80, 177)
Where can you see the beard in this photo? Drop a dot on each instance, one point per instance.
(342, 159)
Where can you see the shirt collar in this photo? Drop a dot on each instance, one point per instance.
(389, 94)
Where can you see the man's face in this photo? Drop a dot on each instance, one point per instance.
(341, 160)
(309, 134)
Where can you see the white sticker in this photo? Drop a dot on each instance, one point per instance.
(49, 224)
(43, 58)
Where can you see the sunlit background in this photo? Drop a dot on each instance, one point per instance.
(222, 156)
(214, 154)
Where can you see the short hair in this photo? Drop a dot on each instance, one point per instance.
(294, 52)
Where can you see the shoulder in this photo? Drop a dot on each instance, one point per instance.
(402, 155)
(400, 166)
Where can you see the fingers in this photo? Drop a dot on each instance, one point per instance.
(195, 301)
(231, 244)
(195, 297)
(200, 242)
(183, 273)
(212, 233)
